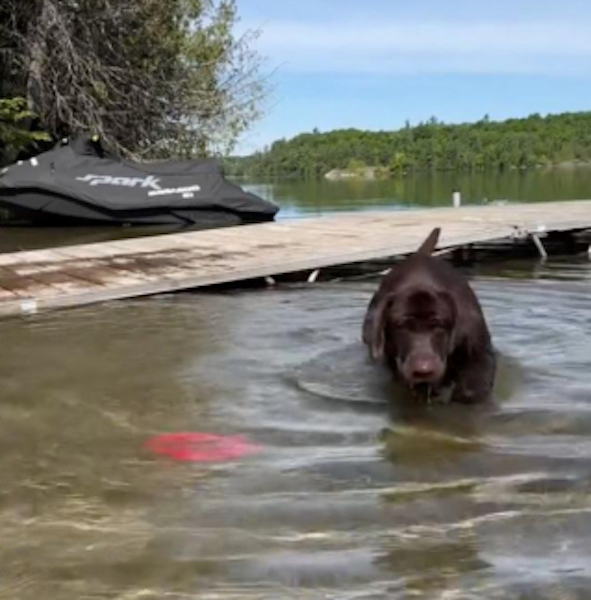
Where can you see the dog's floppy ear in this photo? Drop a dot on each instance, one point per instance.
(430, 243)
(374, 331)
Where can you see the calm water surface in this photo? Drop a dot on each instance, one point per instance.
(307, 198)
(352, 496)
(424, 190)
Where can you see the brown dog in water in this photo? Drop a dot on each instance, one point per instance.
(427, 323)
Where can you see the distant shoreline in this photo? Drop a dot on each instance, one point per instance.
(371, 173)
(560, 141)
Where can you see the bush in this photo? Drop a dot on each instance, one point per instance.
(14, 136)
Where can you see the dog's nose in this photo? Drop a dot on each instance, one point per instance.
(423, 370)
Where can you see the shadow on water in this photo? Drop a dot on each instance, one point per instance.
(354, 494)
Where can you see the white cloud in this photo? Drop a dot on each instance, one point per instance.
(428, 47)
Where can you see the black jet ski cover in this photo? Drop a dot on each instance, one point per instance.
(81, 181)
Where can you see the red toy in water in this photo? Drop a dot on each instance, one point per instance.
(201, 447)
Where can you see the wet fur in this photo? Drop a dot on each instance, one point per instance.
(424, 315)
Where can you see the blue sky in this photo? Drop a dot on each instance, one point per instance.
(373, 64)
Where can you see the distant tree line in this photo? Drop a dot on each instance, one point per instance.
(431, 146)
(153, 78)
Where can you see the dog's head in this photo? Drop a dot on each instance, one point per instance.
(415, 328)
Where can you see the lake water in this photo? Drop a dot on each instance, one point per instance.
(297, 198)
(425, 190)
(351, 494)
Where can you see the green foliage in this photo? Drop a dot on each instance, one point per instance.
(153, 78)
(432, 146)
(355, 165)
(13, 136)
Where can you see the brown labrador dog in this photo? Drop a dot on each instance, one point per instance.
(427, 323)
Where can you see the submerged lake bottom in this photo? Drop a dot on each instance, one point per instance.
(349, 495)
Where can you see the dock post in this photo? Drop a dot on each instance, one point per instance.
(456, 198)
(539, 246)
(313, 276)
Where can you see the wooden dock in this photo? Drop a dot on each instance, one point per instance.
(71, 276)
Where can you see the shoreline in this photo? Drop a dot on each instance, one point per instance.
(369, 173)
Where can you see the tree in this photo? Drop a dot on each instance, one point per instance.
(486, 144)
(152, 78)
(356, 165)
(398, 163)
(14, 137)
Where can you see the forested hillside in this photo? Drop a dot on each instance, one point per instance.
(514, 143)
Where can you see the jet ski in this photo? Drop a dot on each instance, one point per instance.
(82, 182)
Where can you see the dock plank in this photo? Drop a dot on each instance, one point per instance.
(77, 275)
